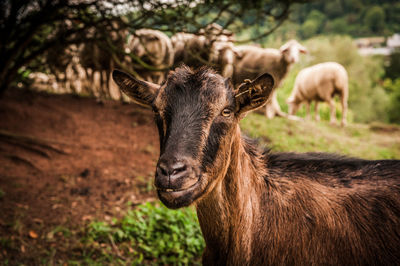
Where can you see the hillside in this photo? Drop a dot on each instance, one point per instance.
(357, 18)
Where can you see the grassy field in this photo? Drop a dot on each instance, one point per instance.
(374, 141)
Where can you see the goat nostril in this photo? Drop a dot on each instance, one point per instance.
(174, 169)
(163, 171)
(179, 170)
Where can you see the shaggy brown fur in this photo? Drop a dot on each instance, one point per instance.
(261, 208)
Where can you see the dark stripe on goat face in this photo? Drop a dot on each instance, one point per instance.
(218, 130)
(185, 118)
(188, 106)
(160, 127)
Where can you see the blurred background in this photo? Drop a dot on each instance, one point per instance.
(77, 158)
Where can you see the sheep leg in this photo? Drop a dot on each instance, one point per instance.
(317, 117)
(273, 108)
(101, 90)
(159, 77)
(344, 111)
(269, 111)
(333, 111)
(227, 71)
(308, 113)
(107, 81)
(104, 84)
(228, 60)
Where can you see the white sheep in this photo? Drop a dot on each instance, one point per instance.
(189, 48)
(252, 61)
(204, 48)
(155, 49)
(320, 83)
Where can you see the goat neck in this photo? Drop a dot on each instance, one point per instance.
(227, 213)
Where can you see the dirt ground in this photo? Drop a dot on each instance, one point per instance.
(66, 160)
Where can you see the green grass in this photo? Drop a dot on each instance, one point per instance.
(150, 234)
(356, 140)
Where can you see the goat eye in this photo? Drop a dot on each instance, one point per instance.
(226, 112)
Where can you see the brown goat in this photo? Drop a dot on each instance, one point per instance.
(261, 208)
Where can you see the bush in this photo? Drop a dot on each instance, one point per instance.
(338, 26)
(309, 28)
(392, 66)
(152, 234)
(375, 19)
(393, 87)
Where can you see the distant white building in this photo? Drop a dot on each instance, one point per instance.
(377, 45)
(370, 42)
(374, 51)
(394, 41)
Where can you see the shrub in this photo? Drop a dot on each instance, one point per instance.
(393, 87)
(153, 234)
(375, 19)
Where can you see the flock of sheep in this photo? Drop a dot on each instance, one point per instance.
(150, 54)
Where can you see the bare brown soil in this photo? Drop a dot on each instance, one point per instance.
(66, 160)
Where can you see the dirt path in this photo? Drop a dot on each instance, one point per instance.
(65, 161)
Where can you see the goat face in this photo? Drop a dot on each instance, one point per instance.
(196, 113)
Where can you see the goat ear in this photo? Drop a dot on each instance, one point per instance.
(253, 94)
(139, 91)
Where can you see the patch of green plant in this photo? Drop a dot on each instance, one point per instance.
(65, 232)
(393, 87)
(146, 183)
(149, 234)
(5, 242)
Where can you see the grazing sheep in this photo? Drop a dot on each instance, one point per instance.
(44, 82)
(155, 49)
(320, 83)
(64, 64)
(190, 49)
(98, 59)
(200, 49)
(222, 53)
(252, 61)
